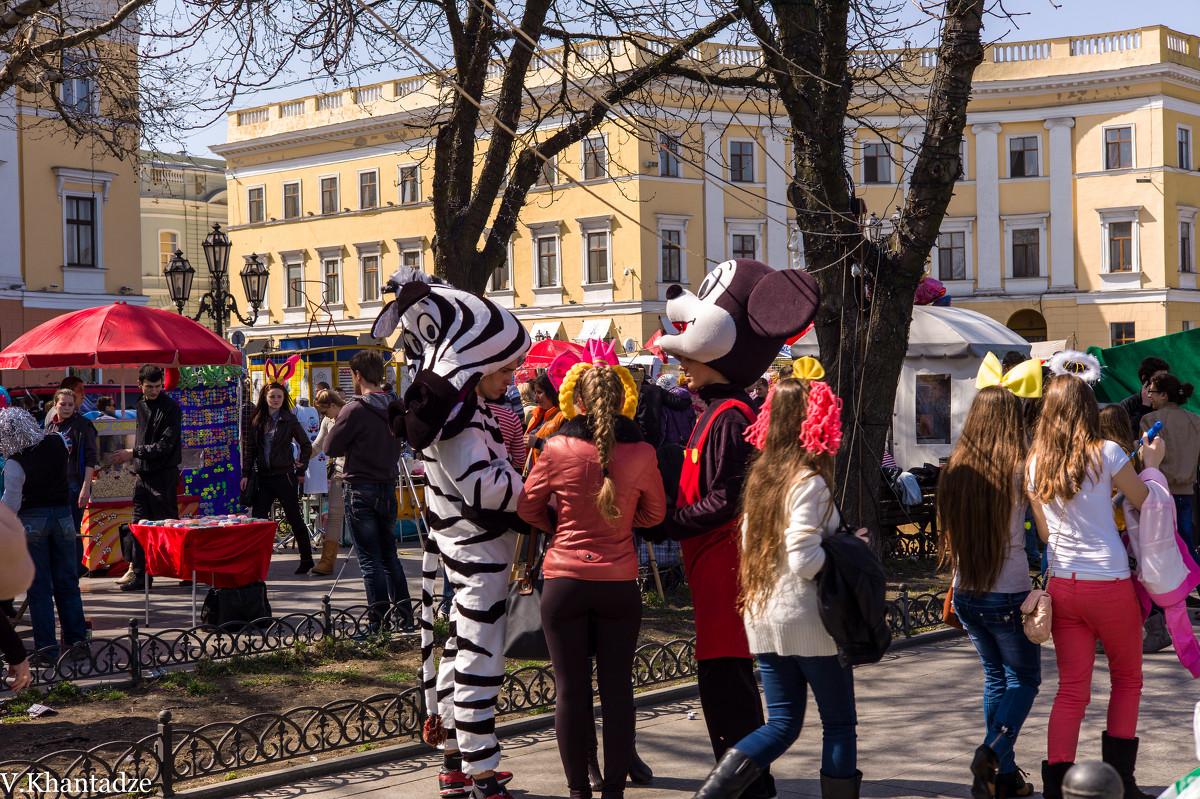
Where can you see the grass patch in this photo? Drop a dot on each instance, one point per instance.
(399, 676)
(106, 693)
(190, 682)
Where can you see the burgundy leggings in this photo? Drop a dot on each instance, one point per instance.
(571, 610)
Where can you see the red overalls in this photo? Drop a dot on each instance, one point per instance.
(711, 560)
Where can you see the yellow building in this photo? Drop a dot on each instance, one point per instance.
(1077, 209)
(181, 197)
(1076, 213)
(69, 219)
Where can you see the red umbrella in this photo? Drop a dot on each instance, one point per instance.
(542, 353)
(118, 335)
(653, 348)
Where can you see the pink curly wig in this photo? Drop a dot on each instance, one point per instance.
(821, 431)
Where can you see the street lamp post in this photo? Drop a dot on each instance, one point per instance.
(217, 302)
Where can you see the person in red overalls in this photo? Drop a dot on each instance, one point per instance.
(729, 332)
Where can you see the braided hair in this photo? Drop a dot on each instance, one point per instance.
(602, 395)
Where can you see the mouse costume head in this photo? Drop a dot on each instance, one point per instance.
(455, 338)
(741, 316)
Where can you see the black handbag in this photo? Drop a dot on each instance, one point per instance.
(247, 494)
(236, 606)
(524, 638)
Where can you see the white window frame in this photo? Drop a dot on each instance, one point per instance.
(1133, 158)
(891, 162)
(325, 254)
(370, 249)
(337, 206)
(589, 225)
(508, 264)
(1109, 216)
(411, 244)
(745, 227)
(299, 199)
(603, 135)
(729, 142)
(1008, 156)
(1188, 325)
(97, 227)
(400, 183)
(81, 101)
(964, 155)
(178, 245)
(1026, 222)
(665, 156)
(1187, 219)
(966, 226)
(1191, 148)
(378, 196)
(286, 261)
(1133, 322)
(249, 189)
(540, 182)
(679, 223)
(544, 230)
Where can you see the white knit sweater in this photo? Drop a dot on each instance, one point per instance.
(789, 623)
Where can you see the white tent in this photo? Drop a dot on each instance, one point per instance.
(937, 382)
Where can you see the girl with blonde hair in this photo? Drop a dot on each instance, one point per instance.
(604, 481)
(981, 518)
(1071, 474)
(787, 509)
(330, 404)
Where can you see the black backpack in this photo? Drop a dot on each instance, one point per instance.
(851, 590)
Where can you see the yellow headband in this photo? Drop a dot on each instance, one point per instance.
(1024, 380)
(807, 368)
(566, 392)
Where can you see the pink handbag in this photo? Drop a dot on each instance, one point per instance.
(1036, 614)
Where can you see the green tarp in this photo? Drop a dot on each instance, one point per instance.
(1119, 378)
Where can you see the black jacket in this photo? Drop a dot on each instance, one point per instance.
(287, 430)
(84, 441)
(159, 425)
(851, 598)
(1136, 410)
(651, 399)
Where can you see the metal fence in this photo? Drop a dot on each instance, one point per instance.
(176, 754)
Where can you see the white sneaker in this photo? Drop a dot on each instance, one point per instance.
(126, 578)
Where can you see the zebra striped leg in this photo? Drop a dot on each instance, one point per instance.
(429, 565)
(473, 664)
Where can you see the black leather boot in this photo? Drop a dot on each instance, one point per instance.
(1121, 754)
(732, 775)
(845, 788)
(1052, 778)
(983, 772)
(639, 772)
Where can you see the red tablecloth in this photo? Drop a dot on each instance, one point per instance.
(224, 557)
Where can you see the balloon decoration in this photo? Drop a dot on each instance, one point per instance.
(5, 399)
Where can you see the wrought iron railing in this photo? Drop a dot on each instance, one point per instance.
(175, 754)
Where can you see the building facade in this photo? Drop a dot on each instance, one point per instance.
(1076, 213)
(69, 220)
(181, 197)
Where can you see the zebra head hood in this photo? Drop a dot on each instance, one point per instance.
(453, 333)
(454, 337)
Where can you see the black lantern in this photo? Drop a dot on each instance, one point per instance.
(216, 252)
(179, 274)
(254, 281)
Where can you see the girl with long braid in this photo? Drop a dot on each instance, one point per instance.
(604, 480)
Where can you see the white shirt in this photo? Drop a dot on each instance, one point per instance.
(1083, 536)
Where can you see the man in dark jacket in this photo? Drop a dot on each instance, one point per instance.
(154, 460)
(1138, 405)
(362, 435)
(651, 399)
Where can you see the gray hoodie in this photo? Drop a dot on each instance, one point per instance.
(361, 435)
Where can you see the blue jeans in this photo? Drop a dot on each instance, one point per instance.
(73, 490)
(51, 541)
(785, 682)
(371, 513)
(1012, 666)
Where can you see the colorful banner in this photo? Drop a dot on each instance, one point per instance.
(211, 460)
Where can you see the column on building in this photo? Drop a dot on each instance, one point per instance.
(714, 196)
(778, 211)
(1060, 156)
(989, 266)
(10, 198)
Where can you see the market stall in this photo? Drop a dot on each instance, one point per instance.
(937, 382)
(126, 336)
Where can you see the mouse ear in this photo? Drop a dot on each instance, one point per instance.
(783, 303)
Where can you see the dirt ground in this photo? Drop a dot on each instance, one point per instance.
(229, 690)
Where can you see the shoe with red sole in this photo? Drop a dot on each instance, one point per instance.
(456, 783)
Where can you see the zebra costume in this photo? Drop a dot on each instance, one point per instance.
(456, 338)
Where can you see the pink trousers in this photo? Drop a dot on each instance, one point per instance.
(1085, 610)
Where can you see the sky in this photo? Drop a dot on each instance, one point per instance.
(1032, 19)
